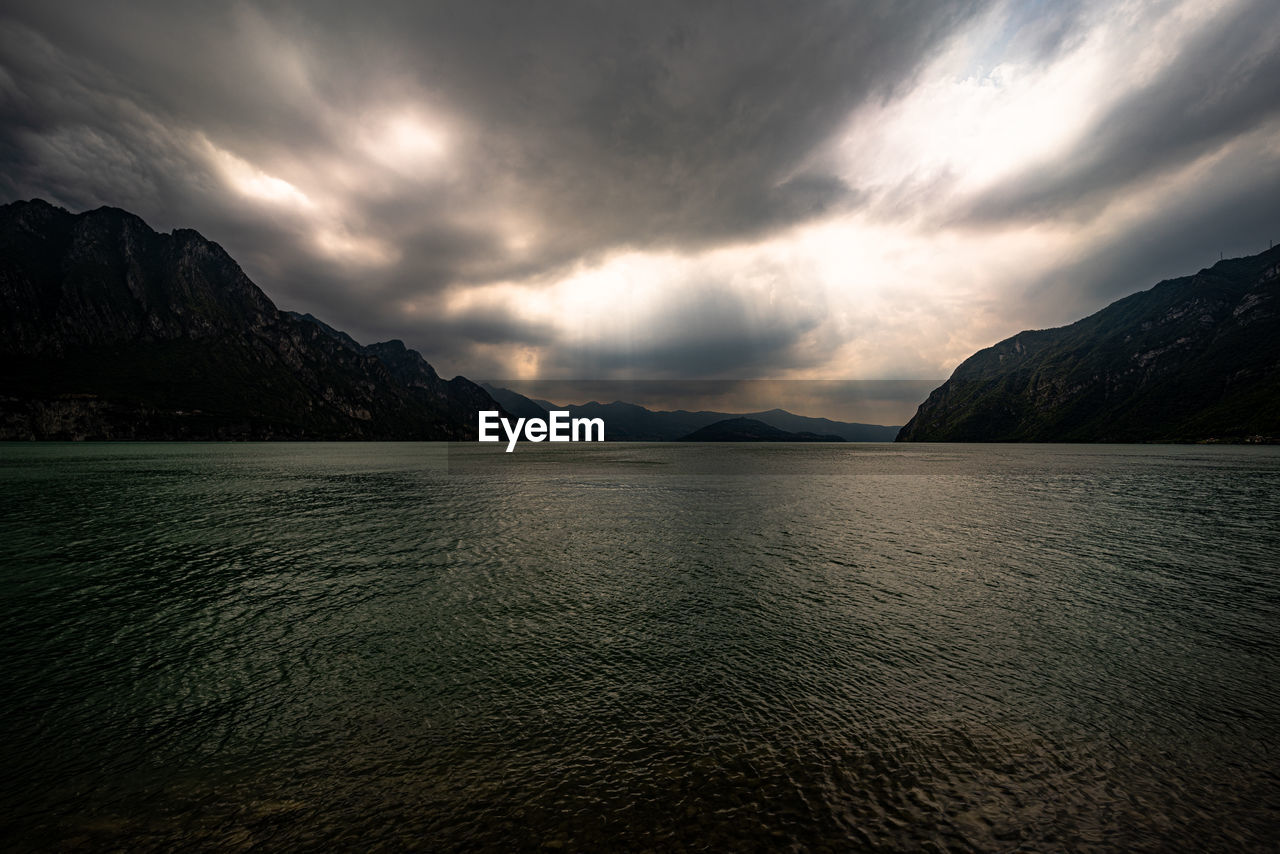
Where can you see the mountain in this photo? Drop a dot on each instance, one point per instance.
(1192, 359)
(631, 422)
(751, 430)
(517, 404)
(849, 431)
(110, 330)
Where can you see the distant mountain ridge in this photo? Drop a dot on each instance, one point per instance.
(631, 422)
(751, 430)
(110, 330)
(1192, 359)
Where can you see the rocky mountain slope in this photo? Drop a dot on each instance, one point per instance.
(110, 330)
(1192, 359)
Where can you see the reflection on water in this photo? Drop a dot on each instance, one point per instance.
(640, 646)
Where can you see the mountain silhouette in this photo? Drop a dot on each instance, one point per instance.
(111, 330)
(1192, 359)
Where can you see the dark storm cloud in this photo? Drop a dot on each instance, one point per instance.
(568, 134)
(706, 324)
(666, 122)
(1224, 83)
(606, 124)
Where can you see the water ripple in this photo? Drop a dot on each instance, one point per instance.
(392, 647)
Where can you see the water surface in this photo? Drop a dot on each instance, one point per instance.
(667, 647)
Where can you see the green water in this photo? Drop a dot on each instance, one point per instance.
(665, 647)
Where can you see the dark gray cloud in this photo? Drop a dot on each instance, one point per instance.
(706, 324)
(608, 124)
(571, 132)
(675, 122)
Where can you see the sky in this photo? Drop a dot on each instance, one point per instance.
(817, 191)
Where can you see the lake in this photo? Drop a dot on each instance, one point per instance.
(640, 647)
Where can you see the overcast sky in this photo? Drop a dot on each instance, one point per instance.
(836, 191)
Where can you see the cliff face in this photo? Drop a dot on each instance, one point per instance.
(109, 330)
(1192, 359)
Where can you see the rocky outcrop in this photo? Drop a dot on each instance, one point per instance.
(109, 330)
(1192, 359)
